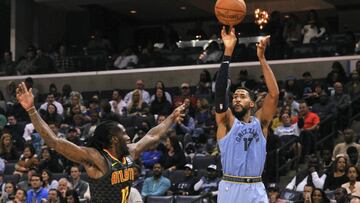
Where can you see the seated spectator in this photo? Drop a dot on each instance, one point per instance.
(289, 132)
(8, 151)
(137, 105)
(292, 31)
(151, 157)
(292, 103)
(63, 62)
(307, 84)
(311, 125)
(353, 186)
(186, 185)
(76, 99)
(157, 185)
(318, 196)
(160, 85)
(79, 185)
(138, 178)
(313, 175)
(54, 196)
(324, 108)
(72, 196)
(27, 160)
(51, 115)
(353, 155)
(26, 65)
(37, 193)
(342, 103)
(211, 54)
(208, 186)
(338, 70)
(43, 63)
(50, 161)
(9, 192)
(185, 92)
(50, 99)
(341, 148)
(8, 66)
(64, 186)
(308, 190)
(160, 105)
(173, 157)
(203, 88)
(135, 196)
(314, 97)
(353, 87)
(48, 182)
(312, 29)
(20, 196)
(118, 105)
(16, 130)
(107, 114)
(26, 183)
(126, 60)
(292, 87)
(337, 176)
(273, 192)
(139, 88)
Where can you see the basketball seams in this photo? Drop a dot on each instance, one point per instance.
(230, 9)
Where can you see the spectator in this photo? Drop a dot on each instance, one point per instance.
(311, 125)
(138, 178)
(63, 62)
(26, 183)
(50, 99)
(312, 176)
(273, 192)
(37, 193)
(157, 185)
(107, 114)
(160, 85)
(292, 31)
(51, 115)
(292, 103)
(134, 196)
(50, 161)
(314, 97)
(319, 196)
(186, 185)
(8, 193)
(324, 108)
(291, 86)
(76, 99)
(336, 72)
(20, 196)
(48, 182)
(65, 95)
(126, 60)
(54, 196)
(337, 176)
(27, 160)
(8, 151)
(160, 105)
(203, 87)
(185, 93)
(43, 63)
(312, 29)
(64, 186)
(244, 81)
(187, 126)
(118, 105)
(16, 129)
(308, 190)
(136, 106)
(139, 88)
(341, 148)
(211, 54)
(27, 64)
(289, 134)
(89, 128)
(307, 85)
(353, 186)
(72, 196)
(353, 155)
(353, 87)
(208, 186)
(173, 157)
(80, 186)
(8, 66)
(341, 195)
(342, 102)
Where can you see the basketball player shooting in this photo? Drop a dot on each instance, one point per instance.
(108, 160)
(241, 136)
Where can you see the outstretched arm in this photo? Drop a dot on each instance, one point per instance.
(83, 155)
(156, 133)
(224, 117)
(268, 111)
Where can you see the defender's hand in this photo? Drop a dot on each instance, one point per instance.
(24, 96)
(261, 46)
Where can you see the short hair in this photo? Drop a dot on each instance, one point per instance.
(251, 93)
(36, 175)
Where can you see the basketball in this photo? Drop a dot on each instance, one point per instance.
(230, 12)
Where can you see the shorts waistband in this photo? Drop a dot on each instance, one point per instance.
(241, 179)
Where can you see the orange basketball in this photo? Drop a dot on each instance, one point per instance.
(230, 12)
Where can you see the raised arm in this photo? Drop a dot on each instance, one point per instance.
(87, 156)
(268, 111)
(156, 133)
(224, 117)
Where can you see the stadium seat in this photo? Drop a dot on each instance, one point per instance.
(188, 199)
(327, 49)
(160, 199)
(304, 51)
(176, 176)
(202, 162)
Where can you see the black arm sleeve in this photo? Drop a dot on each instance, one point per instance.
(221, 87)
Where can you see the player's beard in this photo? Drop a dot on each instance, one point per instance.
(122, 149)
(239, 115)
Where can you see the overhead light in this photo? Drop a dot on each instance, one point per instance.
(183, 8)
(133, 11)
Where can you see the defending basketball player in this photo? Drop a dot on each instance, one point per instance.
(241, 136)
(108, 160)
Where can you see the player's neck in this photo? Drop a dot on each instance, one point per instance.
(247, 117)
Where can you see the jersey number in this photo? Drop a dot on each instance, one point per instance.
(247, 142)
(125, 195)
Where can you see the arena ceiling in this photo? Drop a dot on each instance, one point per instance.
(152, 10)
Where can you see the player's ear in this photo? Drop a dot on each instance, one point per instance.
(252, 104)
